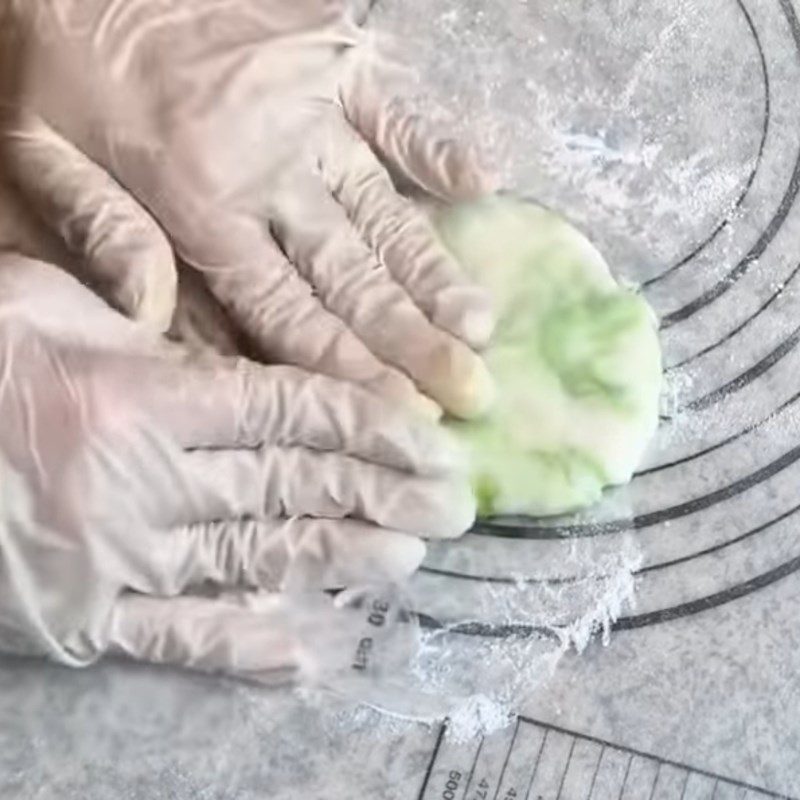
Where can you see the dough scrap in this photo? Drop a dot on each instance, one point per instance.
(575, 356)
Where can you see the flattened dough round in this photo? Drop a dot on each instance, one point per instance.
(575, 356)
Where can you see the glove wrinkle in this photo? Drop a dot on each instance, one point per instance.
(133, 474)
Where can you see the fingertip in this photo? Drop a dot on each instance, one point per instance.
(155, 297)
(467, 313)
(446, 455)
(425, 408)
(401, 393)
(477, 326)
(404, 556)
(461, 512)
(465, 387)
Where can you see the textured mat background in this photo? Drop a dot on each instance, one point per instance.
(669, 130)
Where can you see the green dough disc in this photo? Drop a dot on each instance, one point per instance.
(575, 356)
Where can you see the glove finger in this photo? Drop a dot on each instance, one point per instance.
(295, 482)
(284, 319)
(352, 282)
(403, 238)
(211, 635)
(123, 252)
(408, 143)
(216, 403)
(300, 554)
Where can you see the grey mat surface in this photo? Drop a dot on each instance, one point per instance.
(669, 130)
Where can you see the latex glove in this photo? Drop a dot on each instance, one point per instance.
(250, 130)
(127, 470)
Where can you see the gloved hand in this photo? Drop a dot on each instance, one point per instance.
(250, 130)
(130, 473)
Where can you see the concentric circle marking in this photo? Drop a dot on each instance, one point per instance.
(711, 528)
(706, 459)
(756, 164)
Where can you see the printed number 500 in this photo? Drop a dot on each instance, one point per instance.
(450, 787)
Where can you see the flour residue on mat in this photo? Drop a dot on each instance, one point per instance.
(477, 674)
(601, 116)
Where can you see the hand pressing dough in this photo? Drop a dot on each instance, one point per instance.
(575, 356)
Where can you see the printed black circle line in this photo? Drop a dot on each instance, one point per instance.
(688, 609)
(747, 377)
(719, 598)
(726, 283)
(787, 345)
(705, 401)
(561, 581)
(630, 525)
(514, 529)
(740, 327)
(759, 476)
(734, 385)
(737, 383)
(495, 579)
(744, 378)
(756, 164)
(728, 440)
(773, 226)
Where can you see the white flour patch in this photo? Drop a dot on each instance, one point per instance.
(476, 675)
(594, 128)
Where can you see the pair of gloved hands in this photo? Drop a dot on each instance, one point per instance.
(246, 135)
